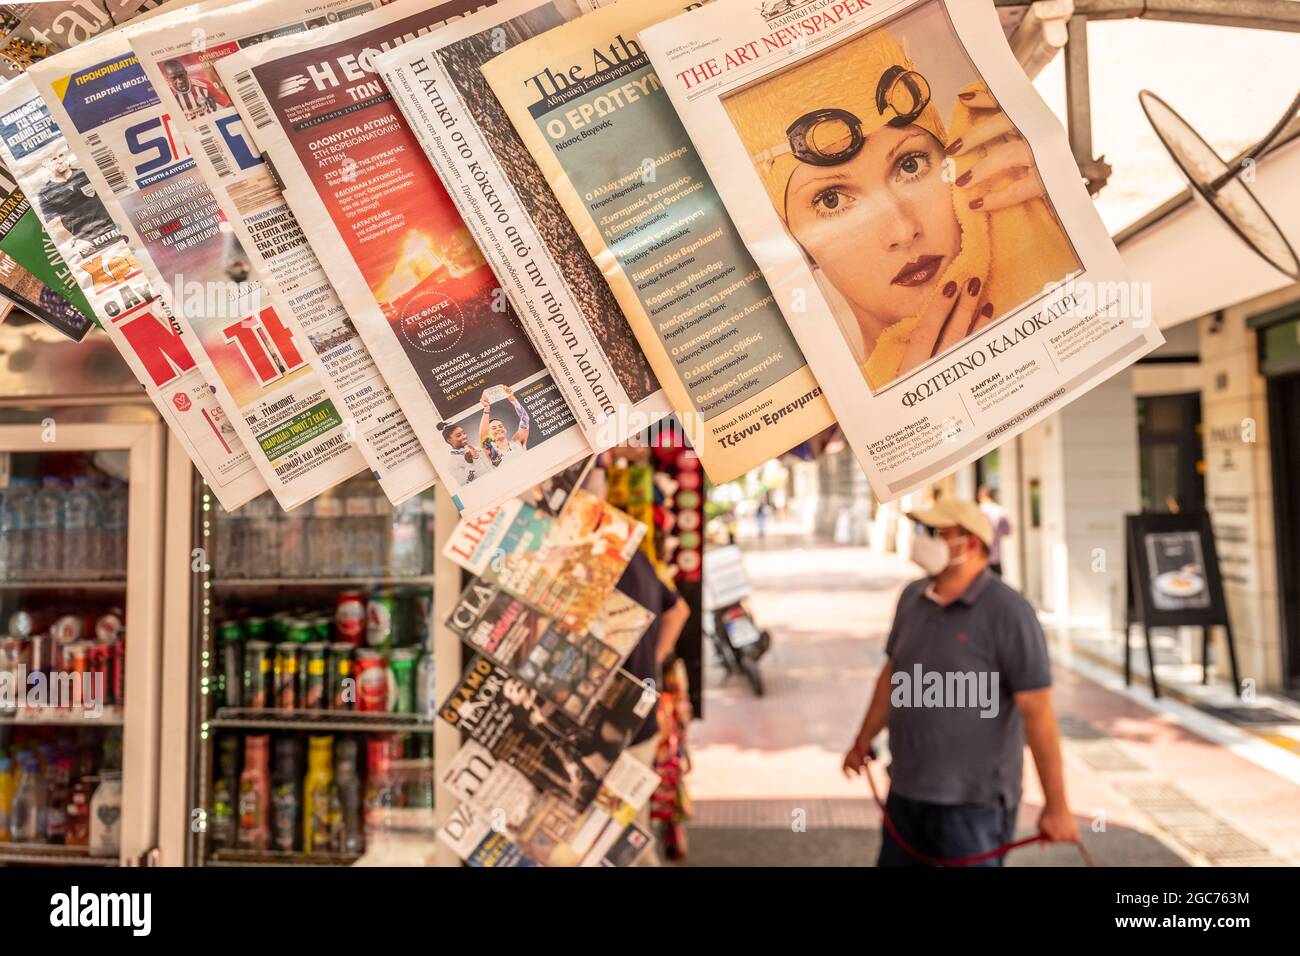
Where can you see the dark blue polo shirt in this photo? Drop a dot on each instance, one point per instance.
(955, 735)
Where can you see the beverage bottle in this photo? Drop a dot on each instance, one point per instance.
(227, 544)
(47, 526)
(223, 822)
(405, 558)
(255, 794)
(106, 814)
(60, 789)
(8, 784)
(79, 811)
(351, 837)
(29, 801)
(380, 790)
(261, 545)
(286, 796)
(382, 525)
(16, 528)
(360, 558)
(317, 789)
(426, 700)
(327, 537)
(114, 507)
(79, 556)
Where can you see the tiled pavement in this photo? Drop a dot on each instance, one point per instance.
(768, 789)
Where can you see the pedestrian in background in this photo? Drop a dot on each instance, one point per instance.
(999, 522)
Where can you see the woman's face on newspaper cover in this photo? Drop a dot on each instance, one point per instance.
(880, 226)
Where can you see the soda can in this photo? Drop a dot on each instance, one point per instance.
(314, 683)
(67, 629)
(298, 631)
(381, 619)
(21, 624)
(256, 629)
(426, 699)
(109, 626)
(340, 677)
(350, 618)
(76, 661)
(286, 676)
(257, 688)
(232, 670)
(322, 626)
(372, 680)
(401, 669)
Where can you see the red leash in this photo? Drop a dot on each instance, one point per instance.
(916, 854)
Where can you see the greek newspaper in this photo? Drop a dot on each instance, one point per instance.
(120, 295)
(481, 400)
(554, 286)
(178, 53)
(32, 273)
(103, 102)
(588, 105)
(918, 215)
(33, 31)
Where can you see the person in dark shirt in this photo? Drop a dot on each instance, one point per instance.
(70, 198)
(642, 584)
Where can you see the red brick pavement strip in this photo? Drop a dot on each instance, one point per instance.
(829, 610)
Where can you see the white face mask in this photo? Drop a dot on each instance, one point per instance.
(933, 553)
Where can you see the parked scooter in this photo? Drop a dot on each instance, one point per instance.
(736, 637)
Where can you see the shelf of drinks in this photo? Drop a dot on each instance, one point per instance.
(348, 582)
(54, 855)
(47, 584)
(378, 722)
(110, 715)
(230, 857)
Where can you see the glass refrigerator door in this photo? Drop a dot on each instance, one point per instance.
(80, 573)
(312, 689)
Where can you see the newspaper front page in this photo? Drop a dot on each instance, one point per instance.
(105, 105)
(555, 287)
(178, 53)
(32, 273)
(487, 410)
(918, 215)
(128, 307)
(588, 105)
(33, 31)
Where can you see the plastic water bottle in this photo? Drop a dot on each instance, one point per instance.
(360, 556)
(327, 534)
(15, 527)
(29, 802)
(81, 557)
(114, 514)
(47, 527)
(381, 525)
(260, 545)
(404, 551)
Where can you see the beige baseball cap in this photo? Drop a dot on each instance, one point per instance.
(957, 513)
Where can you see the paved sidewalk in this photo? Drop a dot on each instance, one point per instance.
(767, 780)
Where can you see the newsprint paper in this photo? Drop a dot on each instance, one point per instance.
(178, 53)
(483, 403)
(587, 103)
(918, 215)
(557, 290)
(127, 306)
(106, 107)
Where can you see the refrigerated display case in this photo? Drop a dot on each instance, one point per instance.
(312, 685)
(80, 533)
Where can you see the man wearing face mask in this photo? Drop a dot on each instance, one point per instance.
(966, 682)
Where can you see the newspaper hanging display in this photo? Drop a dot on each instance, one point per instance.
(483, 403)
(178, 53)
(32, 273)
(524, 730)
(121, 296)
(917, 212)
(503, 820)
(590, 109)
(555, 288)
(101, 98)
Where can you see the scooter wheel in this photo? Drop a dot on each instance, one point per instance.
(749, 666)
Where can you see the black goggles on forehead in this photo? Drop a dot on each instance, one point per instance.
(829, 137)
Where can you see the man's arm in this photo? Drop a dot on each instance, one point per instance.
(873, 723)
(1056, 822)
(671, 623)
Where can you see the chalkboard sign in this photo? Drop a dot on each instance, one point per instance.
(1174, 581)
